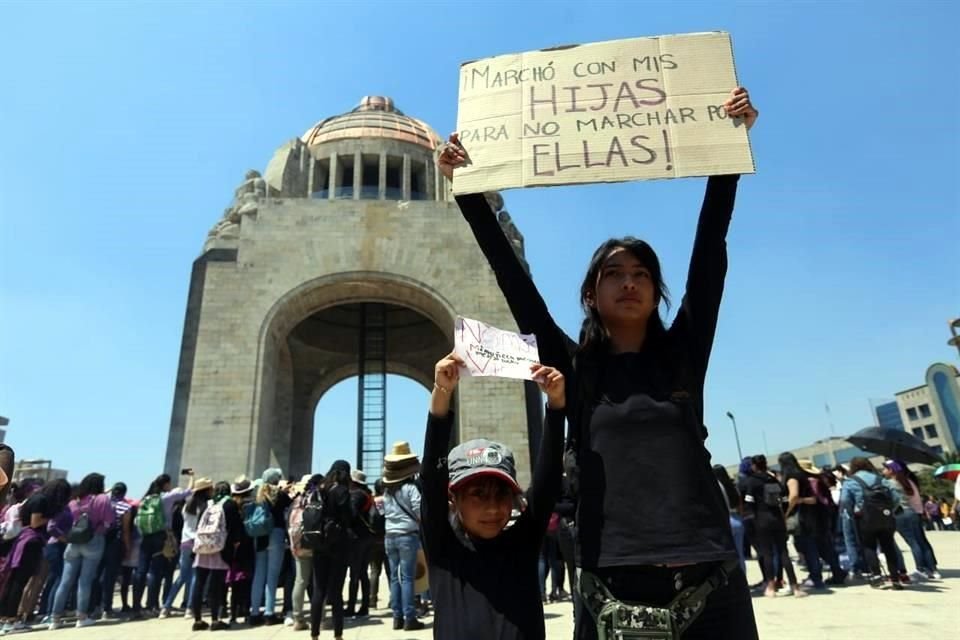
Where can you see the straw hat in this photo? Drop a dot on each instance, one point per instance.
(241, 486)
(359, 476)
(400, 453)
(807, 465)
(202, 483)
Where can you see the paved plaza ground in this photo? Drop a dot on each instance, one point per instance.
(926, 609)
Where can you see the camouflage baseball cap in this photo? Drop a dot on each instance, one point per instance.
(482, 457)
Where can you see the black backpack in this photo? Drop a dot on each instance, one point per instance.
(321, 528)
(878, 509)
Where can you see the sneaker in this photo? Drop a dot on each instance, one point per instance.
(897, 586)
(54, 625)
(904, 578)
(108, 616)
(188, 613)
(397, 624)
(362, 613)
(288, 621)
(6, 628)
(219, 625)
(876, 581)
(300, 625)
(164, 613)
(97, 613)
(413, 625)
(272, 620)
(935, 575)
(19, 627)
(85, 622)
(200, 625)
(785, 591)
(255, 621)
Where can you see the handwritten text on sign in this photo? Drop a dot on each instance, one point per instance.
(606, 112)
(488, 351)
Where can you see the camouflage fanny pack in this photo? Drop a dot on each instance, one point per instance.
(618, 620)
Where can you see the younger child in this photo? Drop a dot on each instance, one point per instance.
(483, 575)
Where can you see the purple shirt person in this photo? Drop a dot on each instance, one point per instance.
(98, 508)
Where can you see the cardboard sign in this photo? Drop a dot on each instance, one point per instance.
(635, 109)
(488, 351)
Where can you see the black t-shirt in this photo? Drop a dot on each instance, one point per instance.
(37, 503)
(487, 589)
(647, 493)
(763, 495)
(808, 512)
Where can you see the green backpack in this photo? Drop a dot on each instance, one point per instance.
(150, 515)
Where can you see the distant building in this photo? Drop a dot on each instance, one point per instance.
(888, 415)
(42, 469)
(931, 412)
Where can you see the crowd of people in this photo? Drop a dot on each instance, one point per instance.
(651, 539)
(837, 517)
(222, 550)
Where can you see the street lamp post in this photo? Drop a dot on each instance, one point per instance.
(735, 434)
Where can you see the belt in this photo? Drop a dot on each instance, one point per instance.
(616, 619)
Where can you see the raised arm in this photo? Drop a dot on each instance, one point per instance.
(434, 509)
(697, 319)
(548, 471)
(525, 302)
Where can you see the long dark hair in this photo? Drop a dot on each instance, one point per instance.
(593, 335)
(339, 473)
(156, 487)
(861, 464)
(91, 485)
(733, 496)
(198, 501)
(58, 493)
(789, 465)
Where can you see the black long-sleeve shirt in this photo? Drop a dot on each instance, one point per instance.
(647, 494)
(487, 589)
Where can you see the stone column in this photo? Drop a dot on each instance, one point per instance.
(357, 174)
(406, 176)
(332, 178)
(382, 180)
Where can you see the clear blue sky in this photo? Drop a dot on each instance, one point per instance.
(124, 129)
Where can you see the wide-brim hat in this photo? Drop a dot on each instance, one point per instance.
(301, 486)
(400, 453)
(359, 476)
(808, 466)
(200, 484)
(241, 486)
(397, 472)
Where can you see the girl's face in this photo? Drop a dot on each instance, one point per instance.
(484, 506)
(624, 292)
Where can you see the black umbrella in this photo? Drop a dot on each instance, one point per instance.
(895, 444)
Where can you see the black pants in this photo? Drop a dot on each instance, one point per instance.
(360, 550)
(565, 542)
(216, 580)
(770, 542)
(240, 599)
(378, 560)
(288, 574)
(31, 560)
(329, 572)
(727, 614)
(887, 544)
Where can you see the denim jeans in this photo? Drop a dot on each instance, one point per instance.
(149, 571)
(807, 544)
(109, 571)
(54, 555)
(402, 552)
(736, 526)
(184, 579)
(275, 552)
(851, 542)
(259, 583)
(80, 561)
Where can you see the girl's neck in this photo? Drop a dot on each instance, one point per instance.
(628, 339)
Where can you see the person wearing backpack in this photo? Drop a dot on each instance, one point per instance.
(154, 521)
(264, 520)
(192, 510)
(327, 518)
(361, 542)
(873, 500)
(802, 503)
(238, 553)
(92, 516)
(303, 557)
(763, 497)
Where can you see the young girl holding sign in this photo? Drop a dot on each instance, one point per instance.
(653, 533)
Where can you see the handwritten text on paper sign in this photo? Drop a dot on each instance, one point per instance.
(633, 109)
(488, 351)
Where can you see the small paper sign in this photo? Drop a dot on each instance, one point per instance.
(488, 351)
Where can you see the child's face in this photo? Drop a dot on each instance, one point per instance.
(484, 506)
